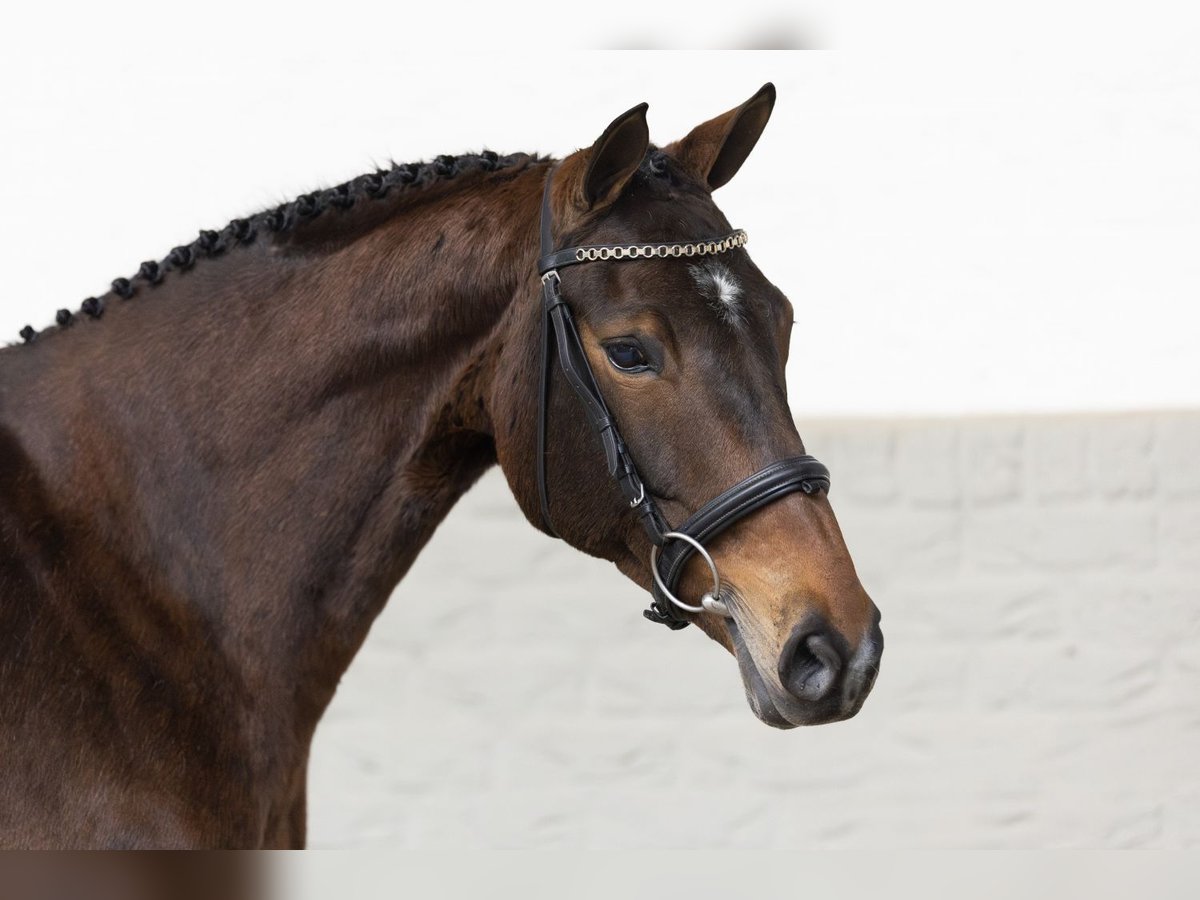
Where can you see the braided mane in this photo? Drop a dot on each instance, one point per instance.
(286, 217)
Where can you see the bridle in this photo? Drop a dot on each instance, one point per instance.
(671, 548)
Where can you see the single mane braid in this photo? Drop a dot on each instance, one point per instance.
(285, 217)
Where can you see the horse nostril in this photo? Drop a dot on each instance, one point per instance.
(812, 671)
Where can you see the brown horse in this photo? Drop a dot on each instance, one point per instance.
(214, 475)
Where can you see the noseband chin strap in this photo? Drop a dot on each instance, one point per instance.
(677, 546)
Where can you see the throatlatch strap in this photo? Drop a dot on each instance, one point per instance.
(543, 409)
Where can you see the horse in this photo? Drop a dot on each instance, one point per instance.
(214, 474)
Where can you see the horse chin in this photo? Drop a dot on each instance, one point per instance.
(762, 704)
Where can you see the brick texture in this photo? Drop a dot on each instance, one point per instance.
(1040, 584)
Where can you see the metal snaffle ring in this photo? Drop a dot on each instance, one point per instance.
(710, 602)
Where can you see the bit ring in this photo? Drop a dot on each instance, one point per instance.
(710, 602)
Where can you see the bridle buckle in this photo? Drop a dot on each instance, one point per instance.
(636, 502)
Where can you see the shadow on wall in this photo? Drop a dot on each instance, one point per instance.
(1040, 586)
(782, 31)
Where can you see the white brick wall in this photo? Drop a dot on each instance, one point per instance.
(1039, 584)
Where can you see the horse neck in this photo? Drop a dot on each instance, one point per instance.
(268, 440)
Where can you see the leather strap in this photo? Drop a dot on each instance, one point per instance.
(560, 334)
(797, 473)
(578, 372)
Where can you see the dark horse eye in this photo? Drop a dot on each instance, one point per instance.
(627, 357)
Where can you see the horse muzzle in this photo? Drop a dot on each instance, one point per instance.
(817, 678)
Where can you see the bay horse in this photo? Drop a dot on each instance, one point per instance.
(213, 475)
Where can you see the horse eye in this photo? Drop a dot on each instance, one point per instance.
(627, 357)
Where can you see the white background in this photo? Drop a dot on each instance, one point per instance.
(971, 214)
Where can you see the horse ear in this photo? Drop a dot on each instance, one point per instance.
(615, 157)
(714, 151)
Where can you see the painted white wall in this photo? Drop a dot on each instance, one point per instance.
(1002, 230)
(1038, 579)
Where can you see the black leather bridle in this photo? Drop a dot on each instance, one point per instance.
(677, 546)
